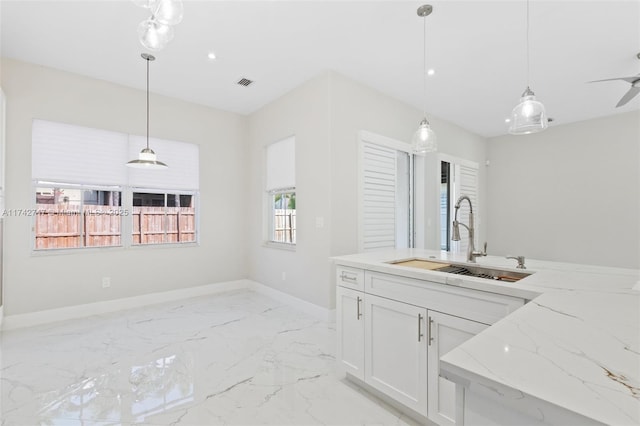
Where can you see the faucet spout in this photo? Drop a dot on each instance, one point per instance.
(471, 251)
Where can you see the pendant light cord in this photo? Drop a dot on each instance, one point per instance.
(147, 102)
(528, 77)
(424, 66)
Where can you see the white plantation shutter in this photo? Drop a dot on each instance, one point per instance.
(466, 183)
(181, 157)
(378, 197)
(74, 154)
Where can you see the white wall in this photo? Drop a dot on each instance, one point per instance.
(38, 282)
(326, 115)
(304, 113)
(571, 193)
(589, 169)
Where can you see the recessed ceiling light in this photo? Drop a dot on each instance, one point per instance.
(431, 72)
(507, 120)
(211, 55)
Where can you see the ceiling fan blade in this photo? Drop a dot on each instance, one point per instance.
(627, 79)
(628, 96)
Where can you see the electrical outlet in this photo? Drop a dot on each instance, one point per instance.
(284, 276)
(106, 282)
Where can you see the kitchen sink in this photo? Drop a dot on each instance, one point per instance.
(465, 269)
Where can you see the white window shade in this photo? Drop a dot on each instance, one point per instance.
(182, 159)
(74, 154)
(281, 169)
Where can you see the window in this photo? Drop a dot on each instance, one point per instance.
(281, 192)
(445, 204)
(68, 217)
(386, 193)
(284, 217)
(163, 218)
(81, 184)
(165, 212)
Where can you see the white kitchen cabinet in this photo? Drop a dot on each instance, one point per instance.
(350, 330)
(446, 332)
(392, 331)
(396, 350)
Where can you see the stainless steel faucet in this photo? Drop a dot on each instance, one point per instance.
(471, 250)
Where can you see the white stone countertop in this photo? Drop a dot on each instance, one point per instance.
(576, 345)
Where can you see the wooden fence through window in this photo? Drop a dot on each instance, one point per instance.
(284, 226)
(152, 226)
(60, 226)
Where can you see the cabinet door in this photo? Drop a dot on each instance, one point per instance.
(445, 333)
(396, 351)
(350, 331)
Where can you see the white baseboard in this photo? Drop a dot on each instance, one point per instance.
(309, 308)
(79, 311)
(97, 308)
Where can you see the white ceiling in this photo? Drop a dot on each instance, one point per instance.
(476, 47)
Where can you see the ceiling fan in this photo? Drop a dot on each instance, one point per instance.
(633, 90)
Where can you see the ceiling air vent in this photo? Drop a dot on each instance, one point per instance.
(244, 82)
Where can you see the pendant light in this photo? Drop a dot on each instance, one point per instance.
(157, 31)
(154, 35)
(147, 158)
(424, 139)
(529, 116)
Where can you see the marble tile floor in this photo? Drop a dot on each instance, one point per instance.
(238, 358)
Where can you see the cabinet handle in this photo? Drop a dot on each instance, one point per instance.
(420, 335)
(358, 314)
(343, 276)
(430, 331)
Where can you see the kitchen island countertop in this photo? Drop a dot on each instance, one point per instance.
(575, 345)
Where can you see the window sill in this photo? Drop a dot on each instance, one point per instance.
(164, 245)
(87, 250)
(74, 250)
(279, 246)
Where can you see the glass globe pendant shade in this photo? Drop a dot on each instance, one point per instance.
(529, 116)
(169, 12)
(154, 35)
(424, 139)
(147, 160)
(147, 4)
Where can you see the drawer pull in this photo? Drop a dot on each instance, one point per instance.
(358, 314)
(420, 335)
(344, 276)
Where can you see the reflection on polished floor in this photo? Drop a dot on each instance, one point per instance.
(237, 358)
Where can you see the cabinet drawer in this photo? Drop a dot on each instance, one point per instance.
(349, 277)
(476, 305)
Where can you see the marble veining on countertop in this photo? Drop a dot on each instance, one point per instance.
(575, 345)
